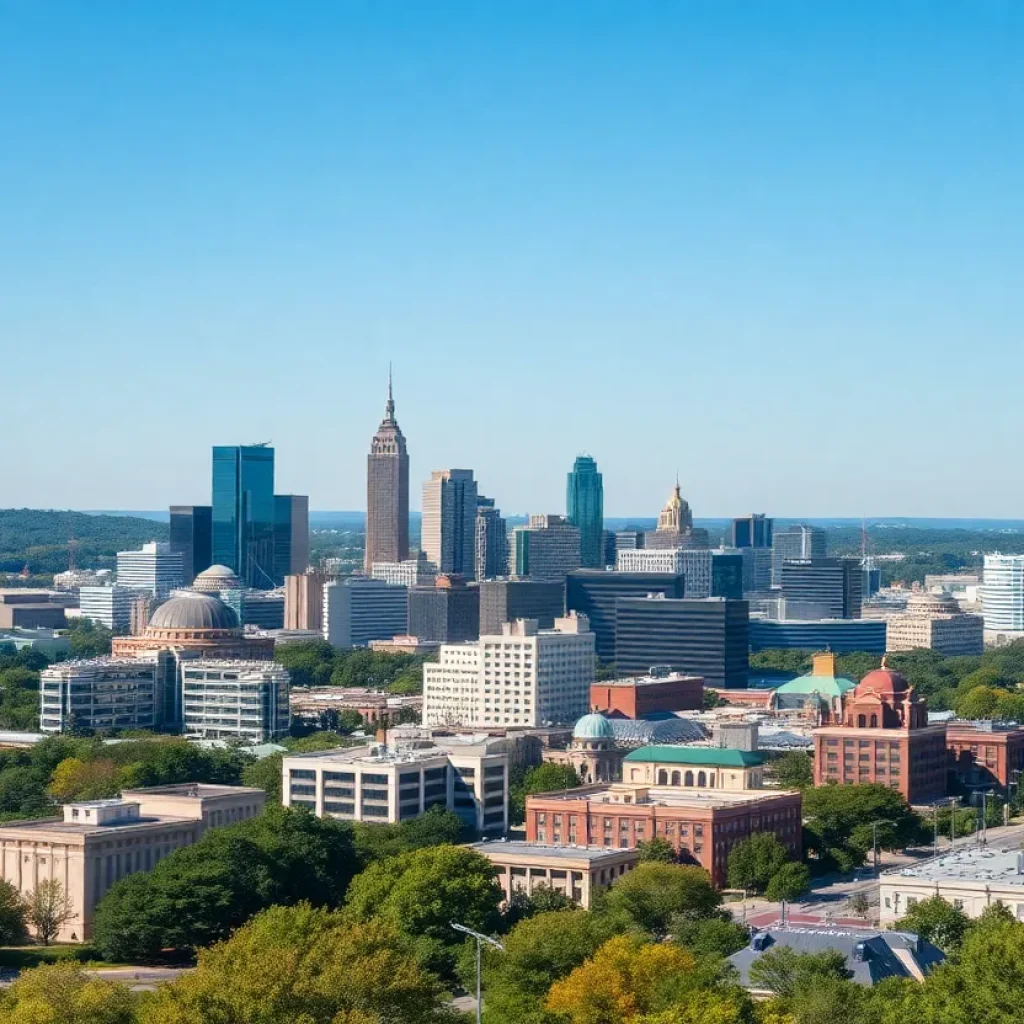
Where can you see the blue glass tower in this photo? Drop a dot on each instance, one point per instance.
(243, 512)
(584, 508)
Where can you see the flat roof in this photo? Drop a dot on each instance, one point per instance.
(1000, 866)
(524, 849)
(662, 796)
(93, 829)
(191, 789)
(671, 677)
(391, 755)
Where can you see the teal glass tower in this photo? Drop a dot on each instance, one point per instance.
(243, 512)
(584, 508)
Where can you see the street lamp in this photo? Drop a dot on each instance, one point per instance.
(479, 938)
(1014, 780)
(984, 815)
(874, 840)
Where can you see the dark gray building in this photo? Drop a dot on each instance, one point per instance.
(795, 541)
(387, 492)
(705, 637)
(595, 591)
(291, 535)
(833, 583)
(448, 611)
(506, 600)
(491, 540)
(753, 531)
(192, 538)
(839, 635)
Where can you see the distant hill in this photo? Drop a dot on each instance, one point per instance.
(40, 538)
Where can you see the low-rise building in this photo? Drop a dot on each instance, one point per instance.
(986, 755)
(413, 572)
(94, 844)
(32, 609)
(406, 645)
(577, 872)
(47, 641)
(659, 692)
(315, 704)
(694, 768)
(935, 621)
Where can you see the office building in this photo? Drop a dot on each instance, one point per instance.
(387, 492)
(95, 843)
(245, 701)
(524, 676)
(706, 637)
(595, 591)
(547, 548)
(447, 610)
(797, 542)
(192, 538)
(33, 609)
(109, 606)
(584, 508)
(884, 738)
(74, 579)
(935, 621)
(99, 694)
(707, 573)
(154, 568)
(263, 609)
(1003, 593)
(578, 872)
(491, 540)
(660, 693)
(358, 610)
(753, 531)
(506, 600)
(986, 755)
(675, 526)
(413, 572)
(381, 784)
(702, 826)
(834, 583)
(608, 554)
(757, 570)
(291, 535)
(839, 635)
(243, 512)
(304, 600)
(449, 521)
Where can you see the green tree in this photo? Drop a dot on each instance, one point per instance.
(752, 862)
(63, 993)
(49, 909)
(265, 774)
(794, 770)
(784, 971)
(542, 900)
(980, 702)
(436, 827)
(656, 849)
(938, 922)
(543, 778)
(717, 936)
(654, 895)
(789, 883)
(89, 639)
(13, 914)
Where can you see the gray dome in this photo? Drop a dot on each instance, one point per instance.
(194, 611)
(593, 727)
(217, 577)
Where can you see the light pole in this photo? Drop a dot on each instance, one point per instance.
(935, 842)
(874, 840)
(984, 816)
(479, 938)
(1014, 781)
(952, 822)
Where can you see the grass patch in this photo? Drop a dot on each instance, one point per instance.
(24, 957)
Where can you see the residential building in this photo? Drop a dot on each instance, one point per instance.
(708, 573)
(387, 492)
(972, 878)
(304, 600)
(796, 542)
(702, 825)
(1003, 593)
(192, 538)
(358, 610)
(33, 609)
(109, 606)
(99, 694)
(986, 755)
(506, 600)
(449, 521)
(291, 535)
(576, 872)
(658, 693)
(381, 784)
(884, 738)
(694, 768)
(491, 540)
(523, 676)
(154, 568)
(94, 844)
(675, 526)
(448, 610)
(707, 637)
(594, 592)
(547, 548)
(243, 511)
(839, 635)
(753, 531)
(935, 621)
(413, 572)
(584, 508)
(235, 700)
(834, 583)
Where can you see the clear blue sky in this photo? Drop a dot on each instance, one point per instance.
(776, 246)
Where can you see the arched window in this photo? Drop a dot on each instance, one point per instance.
(861, 721)
(874, 721)
(662, 777)
(688, 779)
(675, 778)
(702, 779)
(711, 780)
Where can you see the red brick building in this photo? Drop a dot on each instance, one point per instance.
(756, 700)
(703, 826)
(641, 696)
(985, 755)
(885, 738)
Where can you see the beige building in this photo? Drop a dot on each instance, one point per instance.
(304, 601)
(98, 842)
(575, 871)
(935, 621)
(694, 768)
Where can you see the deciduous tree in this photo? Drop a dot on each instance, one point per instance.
(49, 909)
(652, 895)
(64, 994)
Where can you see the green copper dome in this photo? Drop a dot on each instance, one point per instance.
(593, 727)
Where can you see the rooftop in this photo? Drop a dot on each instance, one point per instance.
(647, 796)
(651, 680)
(195, 790)
(542, 850)
(717, 757)
(378, 753)
(969, 864)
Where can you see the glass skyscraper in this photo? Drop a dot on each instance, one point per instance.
(584, 508)
(243, 512)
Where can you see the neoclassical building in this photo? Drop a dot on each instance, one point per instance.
(819, 694)
(592, 751)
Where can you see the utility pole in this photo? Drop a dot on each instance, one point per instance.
(874, 840)
(479, 938)
(935, 843)
(952, 822)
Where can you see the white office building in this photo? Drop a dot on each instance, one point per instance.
(695, 564)
(412, 572)
(153, 568)
(1002, 594)
(358, 610)
(449, 521)
(523, 676)
(235, 700)
(109, 606)
(100, 693)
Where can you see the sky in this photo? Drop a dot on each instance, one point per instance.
(775, 247)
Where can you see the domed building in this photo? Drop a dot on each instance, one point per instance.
(933, 620)
(820, 693)
(592, 752)
(216, 579)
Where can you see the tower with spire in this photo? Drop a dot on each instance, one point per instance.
(387, 490)
(675, 525)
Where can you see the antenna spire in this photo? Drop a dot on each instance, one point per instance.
(389, 413)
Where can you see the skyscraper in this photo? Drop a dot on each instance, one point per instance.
(491, 540)
(797, 541)
(833, 583)
(675, 526)
(547, 548)
(291, 535)
(584, 508)
(190, 537)
(387, 492)
(449, 521)
(753, 531)
(243, 511)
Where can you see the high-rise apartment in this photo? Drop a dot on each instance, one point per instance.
(547, 548)
(191, 537)
(797, 541)
(523, 676)
(243, 511)
(504, 601)
(358, 610)
(449, 521)
(154, 568)
(387, 492)
(291, 535)
(833, 583)
(491, 540)
(304, 600)
(584, 508)
(1002, 593)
